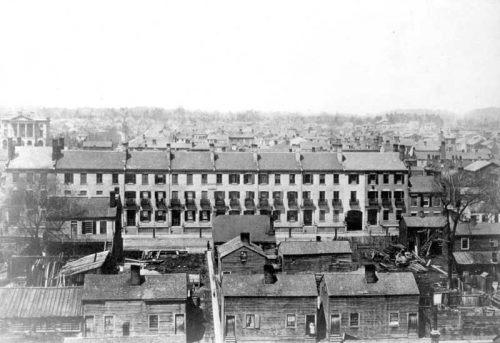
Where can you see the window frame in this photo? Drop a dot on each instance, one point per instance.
(113, 177)
(358, 319)
(322, 179)
(189, 179)
(145, 179)
(294, 321)
(462, 240)
(153, 328)
(394, 324)
(106, 332)
(98, 178)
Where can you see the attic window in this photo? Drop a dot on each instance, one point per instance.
(243, 256)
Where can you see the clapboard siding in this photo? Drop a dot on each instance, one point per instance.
(272, 312)
(137, 314)
(374, 314)
(232, 262)
(477, 242)
(312, 263)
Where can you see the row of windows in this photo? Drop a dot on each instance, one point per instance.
(111, 330)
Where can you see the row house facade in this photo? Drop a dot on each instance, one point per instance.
(174, 192)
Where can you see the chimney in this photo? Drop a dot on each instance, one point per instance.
(340, 156)
(313, 149)
(56, 152)
(394, 148)
(318, 238)
(401, 152)
(245, 237)
(135, 275)
(370, 274)
(112, 200)
(212, 157)
(269, 276)
(494, 257)
(11, 149)
(61, 144)
(297, 156)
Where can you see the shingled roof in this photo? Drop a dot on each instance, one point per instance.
(287, 285)
(314, 248)
(243, 161)
(320, 161)
(84, 264)
(148, 160)
(435, 222)
(91, 160)
(370, 161)
(226, 228)
(235, 244)
(474, 257)
(424, 184)
(270, 161)
(478, 229)
(181, 161)
(83, 208)
(354, 285)
(40, 302)
(118, 287)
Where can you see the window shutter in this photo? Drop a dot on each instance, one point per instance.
(83, 228)
(94, 231)
(257, 321)
(185, 215)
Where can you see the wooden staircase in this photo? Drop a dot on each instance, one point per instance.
(336, 339)
(424, 249)
(230, 339)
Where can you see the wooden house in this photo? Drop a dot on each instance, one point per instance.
(268, 307)
(313, 256)
(48, 313)
(476, 248)
(73, 272)
(148, 308)
(369, 305)
(422, 233)
(260, 228)
(240, 256)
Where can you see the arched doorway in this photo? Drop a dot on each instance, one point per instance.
(354, 220)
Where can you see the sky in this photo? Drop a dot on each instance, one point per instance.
(299, 56)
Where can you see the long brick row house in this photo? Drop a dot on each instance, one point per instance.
(175, 192)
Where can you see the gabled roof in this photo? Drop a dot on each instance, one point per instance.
(83, 208)
(91, 160)
(148, 160)
(474, 257)
(226, 228)
(85, 264)
(373, 161)
(118, 287)
(478, 165)
(243, 161)
(320, 161)
(287, 285)
(314, 248)
(431, 222)
(191, 161)
(32, 158)
(98, 144)
(424, 184)
(281, 161)
(235, 244)
(478, 229)
(41, 302)
(355, 285)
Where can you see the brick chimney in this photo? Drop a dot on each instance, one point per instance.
(245, 237)
(269, 276)
(370, 273)
(135, 275)
(318, 238)
(56, 150)
(11, 149)
(340, 156)
(298, 156)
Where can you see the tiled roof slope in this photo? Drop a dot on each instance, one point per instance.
(269, 161)
(427, 222)
(287, 285)
(314, 248)
(373, 161)
(40, 302)
(226, 228)
(118, 287)
(354, 284)
(191, 161)
(235, 244)
(235, 161)
(424, 184)
(91, 160)
(148, 160)
(321, 161)
(470, 229)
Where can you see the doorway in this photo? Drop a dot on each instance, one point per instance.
(372, 217)
(176, 218)
(130, 218)
(335, 324)
(354, 220)
(311, 325)
(230, 326)
(308, 217)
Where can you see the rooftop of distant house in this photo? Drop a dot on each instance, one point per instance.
(314, 247)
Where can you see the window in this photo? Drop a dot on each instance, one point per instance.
(89, 325)
(322, 179)
(353, 179)
(322, 195)
(354, 320)
(204, 179)
(219, 179)
(335, 179)
(263, 179)
(336, 195)
(436, 201)
(145, 216)
(103, 227)
(243, 256)
(234, 179)
(385, 215)
(74, 228)
(291, 216)
(160, 216)
(353, 196)
(276, 215)
(250, 321)
(291, 321)
(83, 192)
(308, 179)
(98, 178)
(175, 179)
(306, 195)
(336, 216)
(277, 179)
(464, 243)
(394, 319)
(372, 179)
(414, 200)
(248, 179)
(130, 178)
(109, 325)
(160, 179)
(189, 216)
(68, 178)
(126, 329)
(426, 201)
(29, 177)
(292, 179)
(179, 324)
(15, 177)
(98, 192)
(205, 216)
(115, 178)
(153, 322)
(144, 179)
(87, 227)
(67, 192)
(399, 179)
(386, 178)
(399, 214)
(189, 178)
(322, 215)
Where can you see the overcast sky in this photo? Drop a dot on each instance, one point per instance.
(309, 56)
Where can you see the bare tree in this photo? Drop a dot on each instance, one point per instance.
(462, 191)
(29, 206)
